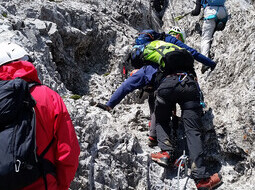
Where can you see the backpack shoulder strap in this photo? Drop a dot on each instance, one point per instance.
(47, 148)
(157, 49)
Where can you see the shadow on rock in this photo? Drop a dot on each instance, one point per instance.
(211, 144)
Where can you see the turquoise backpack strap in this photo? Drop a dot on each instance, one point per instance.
(224, 20)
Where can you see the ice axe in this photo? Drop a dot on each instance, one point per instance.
(181, 17)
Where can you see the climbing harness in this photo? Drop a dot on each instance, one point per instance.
(215, 15)
(220, 23)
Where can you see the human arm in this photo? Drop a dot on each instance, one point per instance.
(68, 150)
(138, 80)
(197, 9)
(197, 56)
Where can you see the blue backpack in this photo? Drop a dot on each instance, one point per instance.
(147, 36)
(20, 166)
(212, 2)
(143, 38)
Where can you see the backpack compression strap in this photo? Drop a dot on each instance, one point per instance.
(46, 166)
(160, 50)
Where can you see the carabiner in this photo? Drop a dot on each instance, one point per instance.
(180, 75)
(17, 165)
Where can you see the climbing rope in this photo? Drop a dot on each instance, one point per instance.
(181, 163)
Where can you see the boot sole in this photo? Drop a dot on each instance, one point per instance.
(218, 184)
(215, 186)
(159, 162)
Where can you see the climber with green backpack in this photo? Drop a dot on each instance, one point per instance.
(170, 70)
(215, 19)
(177, 36)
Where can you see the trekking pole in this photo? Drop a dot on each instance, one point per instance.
(181, 17)
(172, 13)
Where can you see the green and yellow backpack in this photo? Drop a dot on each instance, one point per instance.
(170, 57)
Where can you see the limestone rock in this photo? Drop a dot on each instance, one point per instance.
(79, 47)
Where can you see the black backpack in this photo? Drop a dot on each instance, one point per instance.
(20, 166)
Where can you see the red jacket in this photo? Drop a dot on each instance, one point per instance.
(52, 120)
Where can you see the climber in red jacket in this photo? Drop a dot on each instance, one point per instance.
(52, 120)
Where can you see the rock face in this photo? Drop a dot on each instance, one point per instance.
(80, 47)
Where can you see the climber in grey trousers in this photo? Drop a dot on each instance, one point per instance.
(215, 18)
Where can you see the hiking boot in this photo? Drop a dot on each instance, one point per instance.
(152, 141)
(162, 158)
(209, 183)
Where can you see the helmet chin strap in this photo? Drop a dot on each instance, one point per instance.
(27, 58)
(179, 37)
(24, 58)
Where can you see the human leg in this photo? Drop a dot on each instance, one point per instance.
(162, 116)
(191, 115)
(152, 141)
(207, 36)
(192, 125)
(163, 111)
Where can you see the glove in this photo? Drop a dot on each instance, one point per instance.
(103, 106)
(204, 68)
(213, 67)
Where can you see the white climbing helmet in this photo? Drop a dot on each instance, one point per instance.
(178, 30)
(10, 52)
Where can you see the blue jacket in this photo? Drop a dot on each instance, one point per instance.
(197, 56)
(137, 81)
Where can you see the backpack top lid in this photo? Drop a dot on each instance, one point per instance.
(147, 36)
(10, 52)
(213, 2)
